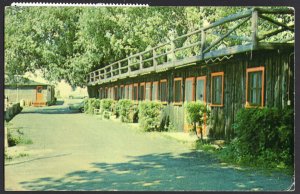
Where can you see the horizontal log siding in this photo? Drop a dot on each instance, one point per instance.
(278, 77)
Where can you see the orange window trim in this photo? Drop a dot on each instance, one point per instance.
(203, 78)
(193, 86)
(211, 92)
(155, 83)
(256, 69)
(180, 102)
(164, 81)
(143, 84)
(150, 97)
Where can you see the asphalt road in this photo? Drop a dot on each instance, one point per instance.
(75, 151)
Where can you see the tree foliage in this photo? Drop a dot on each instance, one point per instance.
(69, 42)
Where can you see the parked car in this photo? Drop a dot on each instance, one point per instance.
(77, 106)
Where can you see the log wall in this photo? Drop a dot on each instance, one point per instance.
(278, 90)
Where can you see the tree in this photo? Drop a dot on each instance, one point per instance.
(69, 42)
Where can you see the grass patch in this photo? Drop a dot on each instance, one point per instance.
(224, 154)
(16, 136)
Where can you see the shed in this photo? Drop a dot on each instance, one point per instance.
(32, 92)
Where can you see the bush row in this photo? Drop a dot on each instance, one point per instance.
(148, 113)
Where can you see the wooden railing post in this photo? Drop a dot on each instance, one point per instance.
(141, 62)
(173, 55)
(105, 76)
(111, 71)
(119, 66)
(154, 59)
(202, 46)
(128, 65)
(254, 35)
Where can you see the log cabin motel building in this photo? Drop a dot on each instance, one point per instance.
(229, 64)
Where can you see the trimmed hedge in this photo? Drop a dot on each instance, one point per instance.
(264, 136)
(149, 115)
(107, 105)
(91, 104)
(127, 110)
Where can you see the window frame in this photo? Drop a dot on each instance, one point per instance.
(204, 79)
(150, 95)
(163, 81)
(215, 74)
(193, 88)
(174, 95)
(251, 70)
(142, 84)
(154, 83)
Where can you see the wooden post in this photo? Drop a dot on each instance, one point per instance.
(202, 43)
(105, 76)
(111, 71)
(173, 52)
(141, 62)
(154, 59)
(129, 68)
(119, 64)
(254, 35)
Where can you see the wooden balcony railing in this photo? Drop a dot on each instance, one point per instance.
(202, 44)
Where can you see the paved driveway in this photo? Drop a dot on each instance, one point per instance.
(75, 151)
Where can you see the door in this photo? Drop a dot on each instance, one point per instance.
(201, 96)
(39, 93)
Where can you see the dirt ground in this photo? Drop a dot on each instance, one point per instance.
(75, 151)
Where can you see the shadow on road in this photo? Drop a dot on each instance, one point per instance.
(188, 171)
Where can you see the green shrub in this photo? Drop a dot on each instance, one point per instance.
(264, 136)
(149, 115)
(13, 138)
(107, 104)
(195, 112)
(127, 110)
(91, 104)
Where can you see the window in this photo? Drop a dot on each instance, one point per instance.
(116, 93)
(201, 88)
(100, 93)
(217, 88)
(130, 92)
(142, 91)
(126, 92)
(135, 92)
(255, 86)
(189, 89)
(111, 92)
(163, 91)
(148, 91)
(121, 92)
(177, 90)
(106, 92)
(39, 89)
(155, 91)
